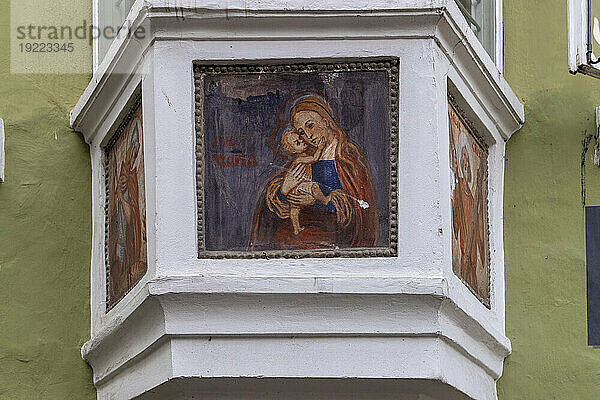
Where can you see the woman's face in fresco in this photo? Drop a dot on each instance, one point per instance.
(311, 126)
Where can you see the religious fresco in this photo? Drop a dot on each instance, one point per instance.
(470, 251)
(296, 161)
(126, 209)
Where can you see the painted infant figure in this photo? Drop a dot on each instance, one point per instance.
(293, 145)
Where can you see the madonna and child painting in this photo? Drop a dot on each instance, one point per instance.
(295, 162)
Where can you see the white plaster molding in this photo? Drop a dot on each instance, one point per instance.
(238, 319)
(577, 27)
(274, 22)
(499, 35)
(181, 317)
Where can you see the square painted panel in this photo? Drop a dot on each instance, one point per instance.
(297, 160)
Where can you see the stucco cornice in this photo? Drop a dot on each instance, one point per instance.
(440, 21)
(276, 310)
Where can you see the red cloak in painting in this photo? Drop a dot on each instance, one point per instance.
(462, 220)
(353, 225)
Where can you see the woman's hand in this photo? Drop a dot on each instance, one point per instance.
(293, 179)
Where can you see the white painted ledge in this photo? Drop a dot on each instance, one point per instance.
(184, 329)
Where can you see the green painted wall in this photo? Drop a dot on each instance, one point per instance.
(45, 227)
(45, 233)
(543, 208)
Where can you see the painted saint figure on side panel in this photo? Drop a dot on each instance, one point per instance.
(127, 259)
(468, 159)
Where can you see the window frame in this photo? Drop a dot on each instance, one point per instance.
(96, 56)
(479, 28)
(579, 34)
(498, 58)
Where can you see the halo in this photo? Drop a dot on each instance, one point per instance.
(283, 115)
(463, 142)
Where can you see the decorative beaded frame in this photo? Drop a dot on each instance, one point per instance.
(388, 64)
(462, 115)
(132, 108)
